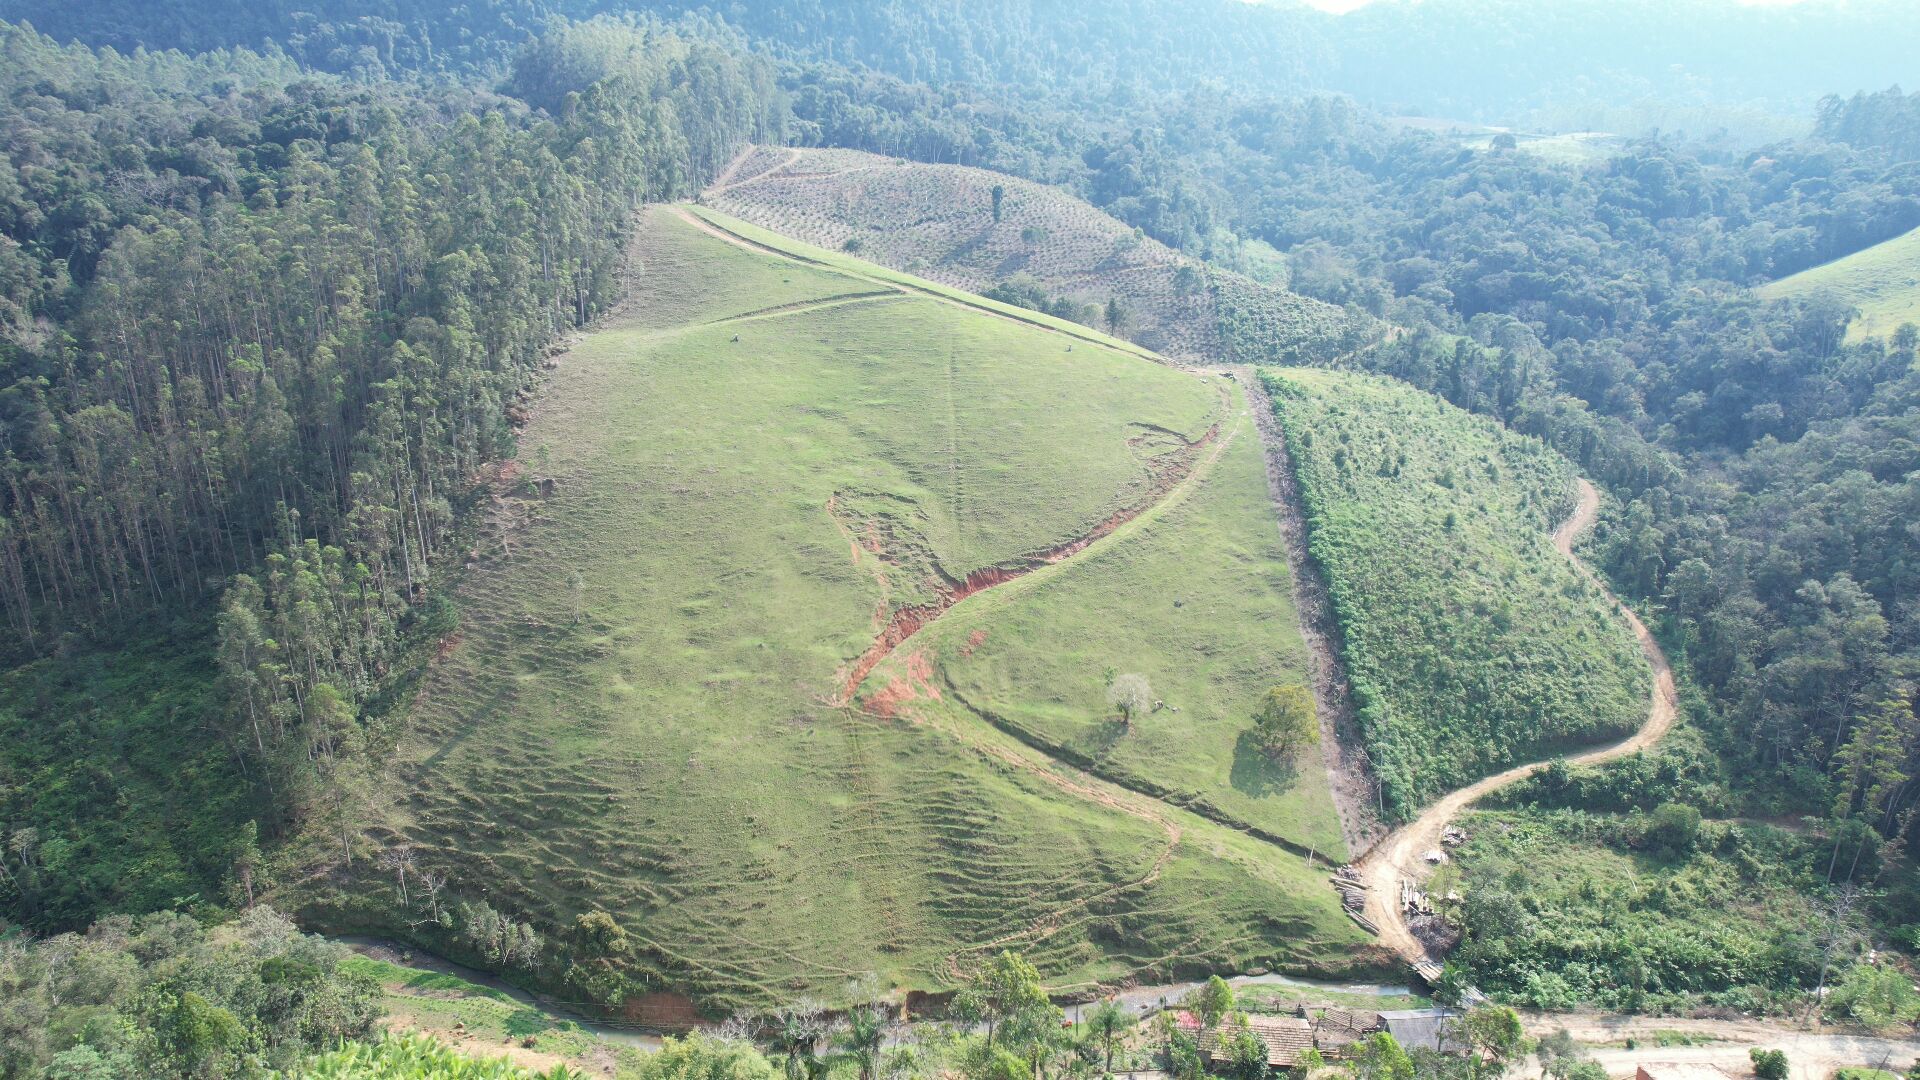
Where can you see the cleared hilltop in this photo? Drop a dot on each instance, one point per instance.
(1033, 242)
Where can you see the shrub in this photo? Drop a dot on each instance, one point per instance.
(1878, 996)
(1769, 1064)
(1672, 829)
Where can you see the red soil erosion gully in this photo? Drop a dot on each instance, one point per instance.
(903, 623)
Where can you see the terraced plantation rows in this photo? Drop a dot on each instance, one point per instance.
(1470, 643)
(940, 221)
(641, 711)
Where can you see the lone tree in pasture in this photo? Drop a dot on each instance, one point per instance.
(999, 201)
(1285, 723)
(1117, 316)
(1130, 694)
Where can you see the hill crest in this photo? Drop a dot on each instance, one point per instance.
(1002, 236)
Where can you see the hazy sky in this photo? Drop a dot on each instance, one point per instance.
(1349, 5)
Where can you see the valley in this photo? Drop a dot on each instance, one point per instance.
(881, 540)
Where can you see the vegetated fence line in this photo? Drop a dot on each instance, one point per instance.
(1397, 856)
(1348, 773)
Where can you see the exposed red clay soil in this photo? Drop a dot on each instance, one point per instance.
(918, 683)
(663, 1010)
(974, 641)
(905, 622)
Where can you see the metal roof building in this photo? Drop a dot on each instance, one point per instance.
(1424, 1029)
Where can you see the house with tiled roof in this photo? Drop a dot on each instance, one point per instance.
(1286, 1038)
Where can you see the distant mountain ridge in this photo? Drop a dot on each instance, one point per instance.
(1476, 59)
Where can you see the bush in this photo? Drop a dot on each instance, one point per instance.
(1769, 1064)
(697, 1057)
(1877, 996)
(1672, 829)
(416, 1057)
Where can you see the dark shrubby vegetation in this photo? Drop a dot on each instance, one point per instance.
(1650, 61)
(1567, 907)
(1470, 643)
(163, 996)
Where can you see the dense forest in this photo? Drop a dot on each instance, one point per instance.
(265, 329)
(1576, 63)
(269, 313)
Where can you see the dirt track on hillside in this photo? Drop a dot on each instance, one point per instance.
(1398, 856)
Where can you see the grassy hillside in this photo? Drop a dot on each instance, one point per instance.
(1471, 644)
(1197, 600)
(938, 221)
(641, 713)
(486, 1021)
(1883, 282)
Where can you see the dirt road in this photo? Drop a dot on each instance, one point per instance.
(1398, 855)
(1812, 1055)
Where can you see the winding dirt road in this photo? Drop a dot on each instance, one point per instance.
(1398, 855)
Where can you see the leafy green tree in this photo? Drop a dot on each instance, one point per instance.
(1181, 1050)
(1871, 767)
(987, 1062)
(1495, 1038)
(1107, 1022)
(1211, 1001)
(1246, 1054)
(1007, 996)
(1379, 1057)
(999, 200)
(186, 1035)
(697, 1057)
(1559, 1053)
(1285, 723)
(863, 1037)
(83, 1062)
(1131, 695)
(1672, 829)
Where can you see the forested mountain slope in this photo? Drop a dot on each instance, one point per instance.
(260, 333)
(1033, 245)
(271, 322)
(1647, 61)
